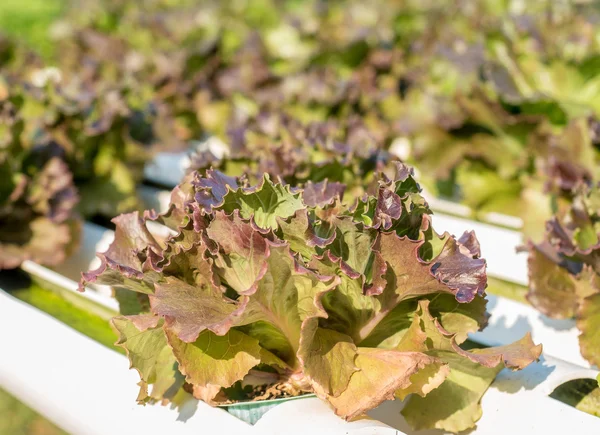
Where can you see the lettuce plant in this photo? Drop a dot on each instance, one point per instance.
(285, 291)
(547, 63)
(564, 268)
(296, 153)
(37, 196)
(94, 128)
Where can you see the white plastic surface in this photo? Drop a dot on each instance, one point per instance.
(153, 198)
(167, 169)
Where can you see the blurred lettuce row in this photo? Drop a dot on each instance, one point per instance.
(38, 220)
(564, 268)
(477, 101)
(546, 68)
(254, 292)
(197, 61)
(103, 139)
(62, 140)
(105, 130)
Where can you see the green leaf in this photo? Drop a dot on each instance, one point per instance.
(263, 204)
(380, 374)
(218, 360)
(302, 235)
(389, 331)
(131, 303)
(148, 353)
(242, 260)
(459, 318)
(588, 322)
(353, 244)
(551, 286)
(407, 277)
(286, 296)
(327, 358)
(348, 308)
(190, 309)
(121, 266)
(271, 338)
(455, 406)
(582, 394)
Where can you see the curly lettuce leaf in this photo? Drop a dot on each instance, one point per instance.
(145, 343)
(588, 322)
(455, 405)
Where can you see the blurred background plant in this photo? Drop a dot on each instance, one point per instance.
(495, 103)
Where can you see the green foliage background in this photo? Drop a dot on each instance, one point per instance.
(29, 20)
